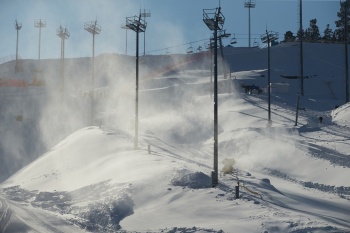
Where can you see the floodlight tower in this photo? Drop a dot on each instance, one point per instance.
(144, 14)
(18, 27)
(64, 34)
(249, 4)
(301, 35)
(346, 35)
(215, 20)
(268, 37)
(40, 24)
(137, 24)
(123, 26)
(94, 29)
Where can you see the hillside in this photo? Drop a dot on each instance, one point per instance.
(75, 178)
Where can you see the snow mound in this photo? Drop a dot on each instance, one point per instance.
(193, 180)
(341, 115)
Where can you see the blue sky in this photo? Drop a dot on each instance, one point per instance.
(173, 24)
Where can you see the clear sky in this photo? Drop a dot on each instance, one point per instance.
(173, 24)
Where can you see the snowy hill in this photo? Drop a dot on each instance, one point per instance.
(292, 178)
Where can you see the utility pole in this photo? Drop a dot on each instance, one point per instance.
(40, 24)
(18, 27)
(249, 4)
(95, 29)
(64, 34)
(215, 20)
(268, 37)
(137, 24)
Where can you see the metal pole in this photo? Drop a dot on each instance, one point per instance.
(216, 170)
(249, 25)
(346, 53)
(297, 111)
(39, 37)
(93, 80)
(269, 79)
(301, 50)
(137, 91)
(126, 41)
(211, 70)
(144, 33)
(17, 29)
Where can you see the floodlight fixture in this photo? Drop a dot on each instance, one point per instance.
(268, 37)
(215, 20)
(40, 24)
(95, 29)
(137, 24)
(249, 4)
(64, 34)
(18, 27)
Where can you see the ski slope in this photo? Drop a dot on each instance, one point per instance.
(90, 178)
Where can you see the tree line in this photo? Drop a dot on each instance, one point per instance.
(312, 33)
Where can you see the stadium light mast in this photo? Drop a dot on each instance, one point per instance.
(268, 37)
(40, 24)
(144, 14)
(137, 24)
(346, 41)
(95, 29)
(64, 34)
(215, 20)
(301, 35)
(249, 4)
(18, 27)
(123, 26)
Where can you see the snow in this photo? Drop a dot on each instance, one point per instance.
(90, 178)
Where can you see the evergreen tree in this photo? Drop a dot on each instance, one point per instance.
(289, 37)
(312, 33)
(328, 34)
(340, 32)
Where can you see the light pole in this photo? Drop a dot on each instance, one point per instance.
(249, 4)
(64, 34)
(95, 29)
(18, 27)
(268, 37)
(144, 14)
(123, 26)
(346, 34)
(40, 24)
(137, 24)
(215, 20)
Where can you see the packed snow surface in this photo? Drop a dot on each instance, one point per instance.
(292, 176)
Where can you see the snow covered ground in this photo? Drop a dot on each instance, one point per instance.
(292, 178)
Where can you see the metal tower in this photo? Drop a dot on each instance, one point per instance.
(249, 4)
(64, 34)
(137, 24)
(215, 20)
(18, 27)
(40, 24)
